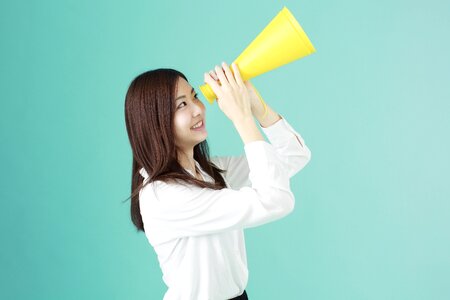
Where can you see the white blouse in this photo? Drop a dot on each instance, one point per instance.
(197, 233)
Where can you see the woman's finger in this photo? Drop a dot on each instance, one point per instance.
(213, 75)
(237, 75)
(223, 80)
(213, 84)
(229, 75)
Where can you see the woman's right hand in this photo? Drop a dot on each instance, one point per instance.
(233, 96)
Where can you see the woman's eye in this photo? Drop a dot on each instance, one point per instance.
(195, 97)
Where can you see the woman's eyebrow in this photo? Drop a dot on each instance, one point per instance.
(184, 95)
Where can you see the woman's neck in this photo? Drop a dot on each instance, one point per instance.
(186, 160)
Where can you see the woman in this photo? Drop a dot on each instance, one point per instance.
(193, 208)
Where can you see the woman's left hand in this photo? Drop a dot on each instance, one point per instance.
(258, 108)
(256, 103)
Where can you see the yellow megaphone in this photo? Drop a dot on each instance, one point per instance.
(281, 42)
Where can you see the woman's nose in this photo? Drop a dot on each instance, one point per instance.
(198, 108)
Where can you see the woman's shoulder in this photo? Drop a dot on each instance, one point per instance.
(164, 193)
(224, 162)
(169, 187)
(220, 161)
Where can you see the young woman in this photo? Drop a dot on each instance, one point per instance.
(192, 207)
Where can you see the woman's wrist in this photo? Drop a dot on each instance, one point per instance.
(260, 110)
(259, 106)
(269, 119)
(248, 130)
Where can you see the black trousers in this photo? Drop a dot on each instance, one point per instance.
(241, 297)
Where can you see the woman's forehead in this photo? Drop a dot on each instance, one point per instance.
(183, 88)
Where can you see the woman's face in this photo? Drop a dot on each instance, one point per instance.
(189, 111)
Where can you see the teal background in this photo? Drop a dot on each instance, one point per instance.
(372, 219)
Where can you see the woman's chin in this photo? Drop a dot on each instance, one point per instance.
(203, 139)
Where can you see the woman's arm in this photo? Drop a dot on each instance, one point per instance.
(233, 98)
(271, 118)
(290, 145)
(239, 101)
(174, 210)
(290, 148)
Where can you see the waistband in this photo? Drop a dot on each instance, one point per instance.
(241, 297)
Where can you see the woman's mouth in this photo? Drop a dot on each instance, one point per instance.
(199, 126)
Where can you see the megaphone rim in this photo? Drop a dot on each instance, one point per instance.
(298, 28)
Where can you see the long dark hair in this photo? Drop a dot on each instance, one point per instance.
(149, 114)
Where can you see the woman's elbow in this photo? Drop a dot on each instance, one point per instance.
(298, 163)
(288, 203)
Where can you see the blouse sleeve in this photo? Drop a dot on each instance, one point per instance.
(172, 210)
(236, 170)
(290, 149)
(289, 145)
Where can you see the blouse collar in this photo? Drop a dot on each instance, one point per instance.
(144, 173)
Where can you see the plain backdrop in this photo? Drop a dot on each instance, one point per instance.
(372, 216)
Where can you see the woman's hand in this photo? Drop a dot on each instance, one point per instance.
(258, 105)
(256, 101)
(234, 97)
